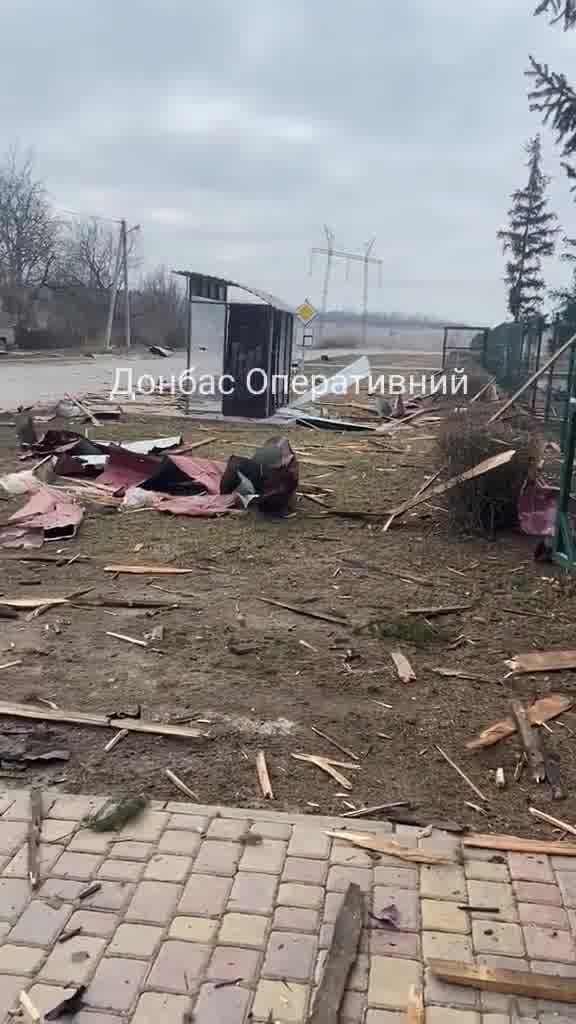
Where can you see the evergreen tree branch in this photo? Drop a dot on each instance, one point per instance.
(554, 97)
(561, 10)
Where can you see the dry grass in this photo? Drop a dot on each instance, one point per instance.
(466, 439)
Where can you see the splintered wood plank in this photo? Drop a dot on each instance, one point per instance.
(403, 667)
(415, 1013)
(541, 711)
(100, 721)
(380, 844)
(530, 742)
(512, 983)
(515, 844)
(543, 661)
(264, 776)
(340, 959)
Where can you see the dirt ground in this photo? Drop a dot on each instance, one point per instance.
(252, 676)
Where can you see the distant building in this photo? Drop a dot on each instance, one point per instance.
(7, 332)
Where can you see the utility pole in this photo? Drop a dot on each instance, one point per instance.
(366, 259)
(127, 318)
(114, 293)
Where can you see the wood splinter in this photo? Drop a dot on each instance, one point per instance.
(462, 774)
(530, 742)
(340, 958)
(264, 776)
(34, 833)
(181, 785)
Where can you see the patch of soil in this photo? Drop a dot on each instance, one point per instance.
(253, 676)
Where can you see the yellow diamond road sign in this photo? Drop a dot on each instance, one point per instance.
(306, 312)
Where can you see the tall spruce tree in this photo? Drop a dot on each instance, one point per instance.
(551, 94)
(530, 237)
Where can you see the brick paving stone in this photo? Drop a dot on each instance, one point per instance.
(12, 835)
(444, 916)
(178, 967)
(290, 955)
(440, 842)
(110, 896)
(483, 871)
(189, 823)
(53, 830)
(147, 828)
(395, 944)
(10, 988)
(528, 867)
(73, 961)
(203, 814)
(229, 963)
(87, 841)
(243, 930)
(128, 850)
(17, 867)
(179, 842)
(441, 993)
(446, 946)
(306, 842)
(267, 858)
(156, 1007)
(391, 981)
(493, 894)
(217, 858)
(153, 902)
(14, 895)
(252, 894)
(205, 896)
(562, 970)
(166, 868)
(535, 892)
(194, 929)
(563, 863)
(275, 1000)
(545, 916)
(497, 937)
(137, 940)
(227, 828)
(396, 878)
(439, 882)
(74, 808)
(115, 984)
(311, 872)
(406, 904)
(271, 830)
(308, 896)
(121, 870)
(82, 866)
(567, 883)
(444, 1015)
(40, 924)
(294, 919)
(385, 1017)
(544, 944)
(407, 835)
(216, 1005)
(19, 959)
(60, 889)
(343, 853)
(340, 877)
(93, 923)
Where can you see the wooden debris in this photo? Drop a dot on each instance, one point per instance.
(10, 664)
(477, 808)
(530, 742)
(514, 844)
(264, 776)
(68, 1006)
(486, 466)
(462, 774)
(415, 1013)
(532, 380)
(90, 890)
(543, 661)
(482, 392)
(181, 785)
(34, 833)
(381, 844)
(497, 979)
(125, 602)
(83, 409)
(128, 639)
(305, 611)
(148, 570)
(541, 711)
(31, 602)
(30, 1010)
(364, 812)
(8, 710)
(71, 934)
(456, 673)
(403, 667)
(556, 822)
(500, 778)
(431, 613)
(468, 909)
(334, 743)
(326, 766)
(340, 959)
(120, 735)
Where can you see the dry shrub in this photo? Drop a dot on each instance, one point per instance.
(466, 439)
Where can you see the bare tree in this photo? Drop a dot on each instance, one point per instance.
(29, 234)
(88, 256)
(159, 307)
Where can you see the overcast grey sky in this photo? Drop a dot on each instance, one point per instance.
(233, 130)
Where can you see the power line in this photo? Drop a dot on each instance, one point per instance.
(367, 260)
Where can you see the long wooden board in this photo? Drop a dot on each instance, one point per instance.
(541, 711)
(340, 959)
(512, 983)
(515, 844)
(42, 714)
(381, 844)
(543, 661)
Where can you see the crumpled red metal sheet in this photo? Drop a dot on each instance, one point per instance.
(200, 504)
(207, 472)
(126, 469)
(537, 510)
(47, 514)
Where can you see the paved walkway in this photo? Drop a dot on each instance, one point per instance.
(188, 901)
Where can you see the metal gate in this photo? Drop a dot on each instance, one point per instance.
(565, 543)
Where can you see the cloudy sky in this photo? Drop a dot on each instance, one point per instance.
(233, 131)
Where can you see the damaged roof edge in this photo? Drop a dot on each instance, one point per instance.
(270, 300)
